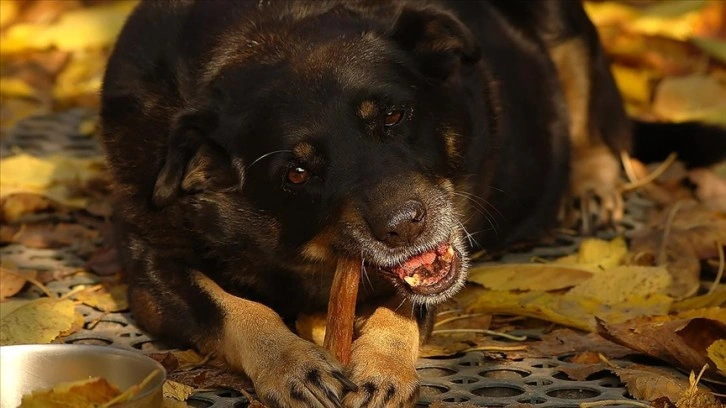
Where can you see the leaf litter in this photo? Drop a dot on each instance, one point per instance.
(658, 293)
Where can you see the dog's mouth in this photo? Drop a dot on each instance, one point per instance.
(429, 273)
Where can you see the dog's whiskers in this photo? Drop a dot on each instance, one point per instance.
(365, 271)
(264, 156)
(469, 236)
(480, 206)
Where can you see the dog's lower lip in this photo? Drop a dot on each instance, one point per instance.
(431, 272)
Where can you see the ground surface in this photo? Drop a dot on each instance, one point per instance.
(523, 333)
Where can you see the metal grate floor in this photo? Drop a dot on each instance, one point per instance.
(468, 377)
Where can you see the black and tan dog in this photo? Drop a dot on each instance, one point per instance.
(254, 142)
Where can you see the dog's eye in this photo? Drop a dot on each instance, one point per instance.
(298, 175)
(393, 117)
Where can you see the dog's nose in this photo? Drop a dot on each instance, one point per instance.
(402, 225)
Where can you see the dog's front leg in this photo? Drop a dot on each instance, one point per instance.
(383, 358)
(286, 370)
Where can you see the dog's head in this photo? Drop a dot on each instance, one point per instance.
(345, 129)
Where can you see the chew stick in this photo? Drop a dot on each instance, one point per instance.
(341, 309)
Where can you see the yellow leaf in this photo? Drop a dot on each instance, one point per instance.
(713, 313)
(89, 393)
(177, 391)
(91, 27)
(8, 11)
(624, 284)
(635, 85)
(82, 76)
(609, 13)
(15, 87)
(568, 310)
(112, 300)
(48, 176)
(597, 254)
(543, 277)
(693, 97)
(672, 19)
(716, 298)
(38, 321)
(717, 353)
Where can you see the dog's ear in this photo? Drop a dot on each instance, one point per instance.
(185, 142)
(441, 43)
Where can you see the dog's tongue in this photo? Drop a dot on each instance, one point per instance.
(427, 268)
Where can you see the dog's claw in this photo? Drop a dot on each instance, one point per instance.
(594, 200)
(305, 375)
(383, 380)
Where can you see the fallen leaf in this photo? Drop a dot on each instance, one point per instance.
(697, 397)
(562, 342)
(14, 206)
(8, 12)
(211, 378)
(76, 30)
(180, 359)
(694, 97)
(177, 391)
(90, 393)
(12, 280)
(716, 352)
(580, 372)
(713, 299)
(624, 285)
(648, 383)
(568, 310)
(38, 321)
(597, 254)
(636, 85)
(541, 277)
(104, 298)
(693, 232)
(680, 342)
(48, 176)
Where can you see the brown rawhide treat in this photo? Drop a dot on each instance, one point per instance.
(341, 308)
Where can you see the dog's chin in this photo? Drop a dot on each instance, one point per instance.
(430, 277)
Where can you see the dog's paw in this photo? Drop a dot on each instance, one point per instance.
(383, 380)
(594, 199)
(303, 375)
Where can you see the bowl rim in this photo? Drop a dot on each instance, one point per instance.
(96, 349)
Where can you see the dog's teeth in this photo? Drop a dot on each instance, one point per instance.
(413, 280)
(450, 251)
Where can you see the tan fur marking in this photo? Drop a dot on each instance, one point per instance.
(451, 137)
(318, 248)
(252, 332)
(367, 109)
(572, 64)
(305, 150)
(385, 353)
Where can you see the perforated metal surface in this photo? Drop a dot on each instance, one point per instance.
(469, 377)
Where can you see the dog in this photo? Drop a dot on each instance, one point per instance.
(253, 143)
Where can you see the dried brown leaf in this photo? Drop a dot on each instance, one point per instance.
(680, 342)
(12, 280)
(648, 383)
